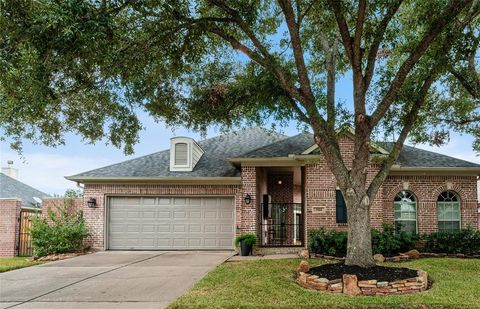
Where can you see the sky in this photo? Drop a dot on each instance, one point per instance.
(45, 168)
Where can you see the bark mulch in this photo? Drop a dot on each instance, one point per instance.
(379, 273)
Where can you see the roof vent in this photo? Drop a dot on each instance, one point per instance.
(10, 170)
(184, 154)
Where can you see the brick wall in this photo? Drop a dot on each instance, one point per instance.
(427, 189)
(95, 217)
(281, 193)
(9, 226)
(249, 212)
(55, 204)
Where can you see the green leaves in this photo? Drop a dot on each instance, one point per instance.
(87, 67)
(63, 232)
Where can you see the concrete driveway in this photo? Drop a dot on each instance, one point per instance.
(112, 279)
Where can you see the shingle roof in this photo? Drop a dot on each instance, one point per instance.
(415, 157)
(214, 162)
(12, 188)
(251, 143)
(291, 145)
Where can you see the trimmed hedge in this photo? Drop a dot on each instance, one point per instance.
(466, 241)
(390, 242)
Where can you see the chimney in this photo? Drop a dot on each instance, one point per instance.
(10, 170)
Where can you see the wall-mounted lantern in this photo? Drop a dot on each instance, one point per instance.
(248, 199)
(92, 203)
(279, 182)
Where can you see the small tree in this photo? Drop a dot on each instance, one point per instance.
(63, 231)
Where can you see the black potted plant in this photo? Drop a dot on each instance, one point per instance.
(246, 242)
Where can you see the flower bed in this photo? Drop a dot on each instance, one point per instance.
(404, 257)
(351, 285)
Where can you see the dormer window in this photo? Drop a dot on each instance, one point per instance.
(181, 154)
(184, 154)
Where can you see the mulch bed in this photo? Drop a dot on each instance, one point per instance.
(379, 273)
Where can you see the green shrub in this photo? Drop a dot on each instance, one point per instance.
(387, 242)
(466, 241)
(329, 242)
(250, 239)
(391, 241)
(64, 233)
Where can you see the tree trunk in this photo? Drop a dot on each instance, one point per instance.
(359, 248)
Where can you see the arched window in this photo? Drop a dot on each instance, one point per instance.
(448, 210)
(406, 211)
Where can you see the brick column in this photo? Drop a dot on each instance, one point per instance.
(249, 212)
(9, 226)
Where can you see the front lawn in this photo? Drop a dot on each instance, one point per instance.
(270, 283)
(7, 264)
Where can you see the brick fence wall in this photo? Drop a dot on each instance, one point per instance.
(55, 204)
(9, 226)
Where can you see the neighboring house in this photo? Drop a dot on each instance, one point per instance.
(199, 195)
(15, 197)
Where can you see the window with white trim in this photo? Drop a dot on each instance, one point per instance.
(405, 204)
(448, 211)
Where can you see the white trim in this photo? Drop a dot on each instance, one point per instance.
(160, 180)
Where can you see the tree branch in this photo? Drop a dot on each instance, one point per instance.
(436, 27)
(472, 87)
(343, 27)
(293, 29)
(377, 39)
(410, 120)
(462, 122)
(297, 109)
(357, 39)
(331, 53)
(305, 13)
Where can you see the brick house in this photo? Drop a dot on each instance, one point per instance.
(200, 195)
(15, 197)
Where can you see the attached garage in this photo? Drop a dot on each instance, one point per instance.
(171, 223)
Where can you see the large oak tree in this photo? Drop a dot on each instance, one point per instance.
(88, 66)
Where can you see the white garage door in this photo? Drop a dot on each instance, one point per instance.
(165, 223)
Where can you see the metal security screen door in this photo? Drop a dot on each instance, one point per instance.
(166, 223)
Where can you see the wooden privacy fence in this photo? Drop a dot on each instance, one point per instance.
(25, 238)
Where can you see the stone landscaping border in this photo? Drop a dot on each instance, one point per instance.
(350, 285)
(404, 257)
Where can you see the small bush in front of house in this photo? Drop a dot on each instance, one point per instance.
(466, 241)
(64, 232)
(327, 242)
(391, 241)
(250, 239)
(387, 242)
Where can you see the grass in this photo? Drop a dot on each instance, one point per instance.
(270, 283)
(7, 264)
